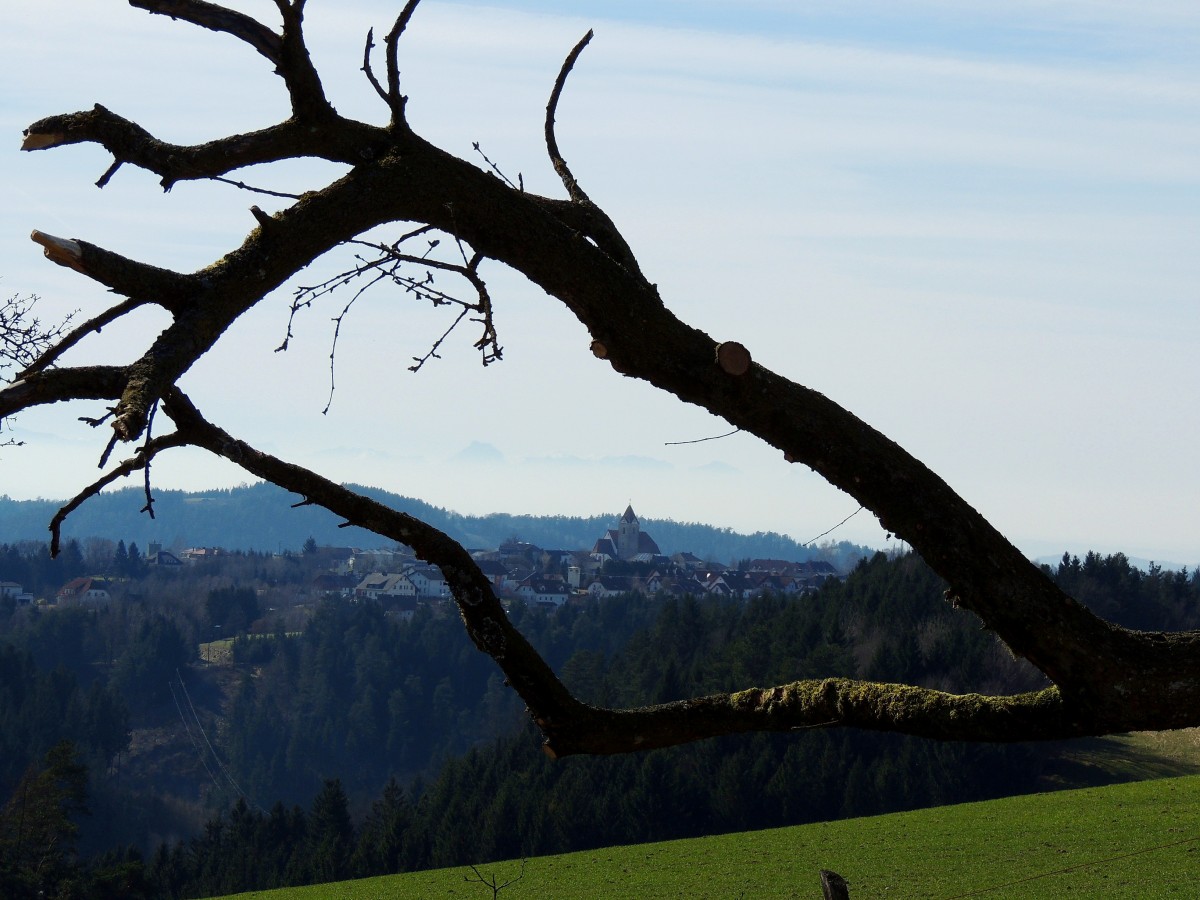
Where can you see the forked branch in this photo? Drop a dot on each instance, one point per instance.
(593, 222)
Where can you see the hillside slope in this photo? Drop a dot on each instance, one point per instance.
(261, 517)
(1132, 840)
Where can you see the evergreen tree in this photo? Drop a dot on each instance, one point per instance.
(120, 561)
(133, 566)
(144, 672)
(381, 847)
(38, 827)
(330, 834)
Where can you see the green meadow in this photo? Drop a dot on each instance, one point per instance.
(1138, 840)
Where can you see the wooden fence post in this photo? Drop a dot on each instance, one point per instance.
(834, 886)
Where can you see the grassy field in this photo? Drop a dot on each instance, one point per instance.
(1139, 840)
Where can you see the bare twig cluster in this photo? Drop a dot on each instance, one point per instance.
(24, 340)
(414, 273)
(24, 337)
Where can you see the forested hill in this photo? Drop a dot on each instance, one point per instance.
(260, 517)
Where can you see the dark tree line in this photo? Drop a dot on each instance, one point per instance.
(30, 565)
(40, 708)
(368, 697)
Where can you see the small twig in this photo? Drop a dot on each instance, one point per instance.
(495, 168)
(366, 66)
(419, 361)
(139, 460)
(454, 234)
(109, 173)
(149, 507)
(96, 423)
(337, 330)
(387, 266)
(112, 443)
(815, 725)
(24, 340)
(715, 437)
(395, 99)
(257, 190)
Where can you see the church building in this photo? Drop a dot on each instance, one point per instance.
(627, 540)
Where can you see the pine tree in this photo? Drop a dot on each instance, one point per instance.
(381, 842)
(330, 834)
(38, 828)
(120, 560)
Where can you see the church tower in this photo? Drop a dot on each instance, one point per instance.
(628, 535)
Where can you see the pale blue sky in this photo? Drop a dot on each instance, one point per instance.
(973, 224)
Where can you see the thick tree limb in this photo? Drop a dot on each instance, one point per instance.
(572, 727)
(484, 617)
(218, 18)
(59, 385)
(136, 280)
(348, 142)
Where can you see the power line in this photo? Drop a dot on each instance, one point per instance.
(220, 765)
(835, 527)
(195, 744)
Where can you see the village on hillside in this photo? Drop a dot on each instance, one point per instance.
(624, 559)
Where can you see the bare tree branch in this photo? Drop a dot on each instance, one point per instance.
(368, 71)
(593, 221)
(574, 191)
(66, 341)
(218, 18)
(350, 142)
(396, 100)
(571, 727)
(60, 385)
(309, 104)
(24, 337)
(1106, 679)
(141, 460)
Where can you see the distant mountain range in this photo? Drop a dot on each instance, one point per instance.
(260, 517)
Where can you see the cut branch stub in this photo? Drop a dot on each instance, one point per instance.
(733, 358)
(63, 251)
(41, 141)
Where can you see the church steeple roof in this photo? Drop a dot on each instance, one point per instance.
(629, 516)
